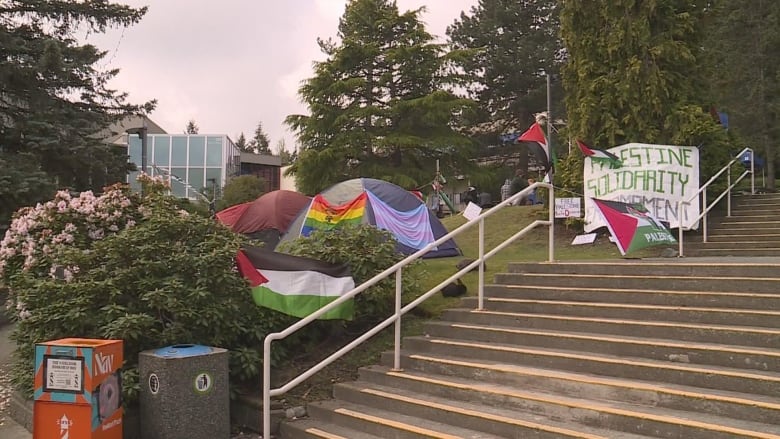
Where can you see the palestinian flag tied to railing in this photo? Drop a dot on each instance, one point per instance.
(295, 285)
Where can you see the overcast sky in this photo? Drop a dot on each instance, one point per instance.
(231, 63)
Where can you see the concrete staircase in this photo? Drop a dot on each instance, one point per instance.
(669, 348)
(753, 229)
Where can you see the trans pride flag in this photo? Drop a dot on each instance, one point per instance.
(324, 216)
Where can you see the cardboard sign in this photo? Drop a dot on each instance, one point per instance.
(588, 238)
(568, 208)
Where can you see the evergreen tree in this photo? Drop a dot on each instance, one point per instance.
(192, 127)
(260, 144)
(635, 73)
(242, 143)
(746, 74)
(281, 149)
(54, 101)
(377, 107)
(504, 49)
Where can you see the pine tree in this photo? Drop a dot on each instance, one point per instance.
(505, 48)
(54, 101)
(192, 127)
(377, 107)
(286, 156)
(242, 144)
(260, 144)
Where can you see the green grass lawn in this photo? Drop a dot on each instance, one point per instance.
(533, 247)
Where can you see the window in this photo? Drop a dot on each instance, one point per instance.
(215, 174)
(196, 180)
(178, 151)
(197, 152)
(162, 151)
(214, 151)
(134, 149)
(178, 188)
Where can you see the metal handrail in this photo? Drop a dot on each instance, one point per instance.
(703, 193)
(397, 269)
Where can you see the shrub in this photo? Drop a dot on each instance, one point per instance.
(161, 276)
(367, 251)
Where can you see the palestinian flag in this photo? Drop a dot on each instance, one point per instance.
(295, 285)
(534, 135)
(632, 225)
(600, 155)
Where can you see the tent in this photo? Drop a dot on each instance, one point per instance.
(382, 204)
(267, 217)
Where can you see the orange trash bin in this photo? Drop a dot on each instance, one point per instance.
(78, 389)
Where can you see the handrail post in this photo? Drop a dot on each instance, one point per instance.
(679, 228)
(551, 231)
(752, 172)
(398, 291)
(704, 220)
(267, 388)
(481, 279)
(728, 196)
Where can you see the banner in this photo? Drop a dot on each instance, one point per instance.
(655, 176)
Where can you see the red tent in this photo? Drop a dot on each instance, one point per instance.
(274, 210)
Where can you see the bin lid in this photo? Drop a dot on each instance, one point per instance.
(183, 350)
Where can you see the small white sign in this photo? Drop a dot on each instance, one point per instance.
(568, 207)
(588, 238)
(64, 374)
(472, 211)
(64, 423)
(154, 384)
(203, 382)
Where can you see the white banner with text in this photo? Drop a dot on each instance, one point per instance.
(656, 176)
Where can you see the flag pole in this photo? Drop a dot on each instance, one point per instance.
(549, 122)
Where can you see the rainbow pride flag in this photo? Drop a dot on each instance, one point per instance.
(324, 216)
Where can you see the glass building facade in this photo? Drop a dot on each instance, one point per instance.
(195, 161)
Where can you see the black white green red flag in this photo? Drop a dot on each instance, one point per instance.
(295, 285)
(535, 138)
(632, 226)
(600, 155)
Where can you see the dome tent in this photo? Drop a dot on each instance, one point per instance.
(266, 218)
(381, 204)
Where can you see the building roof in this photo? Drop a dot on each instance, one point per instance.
(261, 159)
(116, 134)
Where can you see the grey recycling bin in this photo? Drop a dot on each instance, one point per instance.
(184, 393)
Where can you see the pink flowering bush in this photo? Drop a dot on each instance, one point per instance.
(141, 269)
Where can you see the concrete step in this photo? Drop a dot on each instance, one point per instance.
(705, 333)
(737, 357)
(748, 243)
(666, 282)
(711, 377)
(730, 236)
(769, 268)
(754, 408)
(384, 423)
(306, 428)
(727, 299)
(618, 415)
(735, 223)
(493, 421)
(688, 314)
(735, 252)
